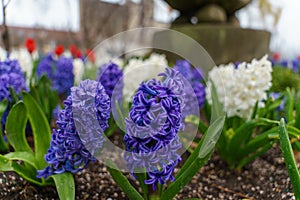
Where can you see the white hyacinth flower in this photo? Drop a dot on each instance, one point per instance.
(239, 88)
(138, 70)
(25, 60)
(78, 70)
(3, 54)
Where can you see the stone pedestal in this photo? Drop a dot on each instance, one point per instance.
(227, 43)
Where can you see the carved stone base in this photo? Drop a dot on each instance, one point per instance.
(227, 43)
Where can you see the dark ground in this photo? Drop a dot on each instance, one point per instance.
(265, 178)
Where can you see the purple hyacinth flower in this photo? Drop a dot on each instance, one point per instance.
(193, 77)
(77, 132)
(11, 76)
(64, 77)
(151, 128)
(46, 67)
(109, 75)
(295, 65)
(60, 72)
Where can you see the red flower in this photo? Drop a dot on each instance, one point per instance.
(30, 45)
(91, 55)
(78, 54)
(59, 49)
(276, 56)
(73, 49)
(298, 58)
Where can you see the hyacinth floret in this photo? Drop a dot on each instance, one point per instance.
(64, 77)
(46, 67)
(151, 128)
(109, 75)
(11, 76)
(240, 88)
(194, 78)
(59, 71)
(69, 151)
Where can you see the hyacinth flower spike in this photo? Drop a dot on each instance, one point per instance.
(154, 120)
(59, 71)
(73, 144)
(11, 77)
(194, 78)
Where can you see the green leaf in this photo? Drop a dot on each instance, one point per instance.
(65, 185)
(244, 133)
(28, 174)
(211, 137)
(289, 105)
(48, 97)
(3, 105)
(192, 119)
(289, 159)
(217, 107)
(5, 164)
(185, 177)
(3, 144)
(40, 128)
(141, 177)
(14, 96)
(297, 120)
(27, 157)
(258, 152)
(15, 128)
(122, 182)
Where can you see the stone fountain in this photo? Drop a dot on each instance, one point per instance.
(214, 25)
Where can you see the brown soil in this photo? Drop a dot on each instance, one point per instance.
(265, 178)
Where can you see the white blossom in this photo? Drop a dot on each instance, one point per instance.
(78, 69)
(3, 54)
(25, 60)
(138, 70)
(239, 88)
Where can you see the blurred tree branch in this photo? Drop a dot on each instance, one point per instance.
(266, 8)
(5, 33)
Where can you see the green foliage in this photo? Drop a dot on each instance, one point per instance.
(244, 140)
(44, 95)
(32, 157)
(283, 78)
(15, 128)
(65, 186)
(122, 182)
(3, 144)
(196, 160)
(289, 158)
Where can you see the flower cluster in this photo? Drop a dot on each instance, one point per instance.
(194, 78)
(60, 72)
(151, 129)
(109, 75)
(78, 135)
(25, 60)
(239, 88)
(11, 76)
(78, 69)
(138, 70)
(293, 64)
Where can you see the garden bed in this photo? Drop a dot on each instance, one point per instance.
(265, 178)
